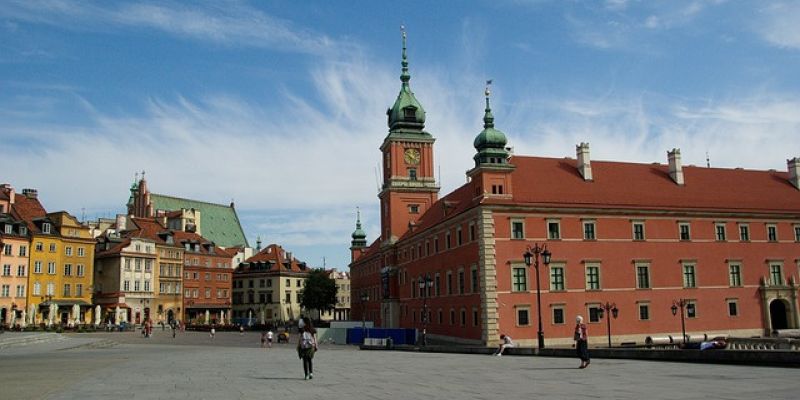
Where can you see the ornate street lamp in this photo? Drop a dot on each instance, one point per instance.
(364, 300)
(424, 285)
(682, 304)
(611, 310)
(532, 256)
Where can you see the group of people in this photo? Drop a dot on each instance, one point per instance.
(580, 337)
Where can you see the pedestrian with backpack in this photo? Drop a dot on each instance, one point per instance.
(307, 346)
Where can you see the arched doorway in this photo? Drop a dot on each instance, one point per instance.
(778, 315)
(170, 316)
(3, 315)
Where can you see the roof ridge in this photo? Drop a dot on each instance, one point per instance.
(196, 201)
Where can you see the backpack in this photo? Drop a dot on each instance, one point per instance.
(307, 341)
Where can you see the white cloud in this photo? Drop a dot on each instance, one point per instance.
(779, 25)
(226, 22)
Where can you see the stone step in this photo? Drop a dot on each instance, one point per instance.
(13, 339)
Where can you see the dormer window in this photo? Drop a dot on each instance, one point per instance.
(23, 230)
(9, 228)
(46, 227)
(409, 113)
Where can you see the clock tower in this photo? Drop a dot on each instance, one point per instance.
(409, 187)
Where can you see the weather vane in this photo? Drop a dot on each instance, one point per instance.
(488, 84)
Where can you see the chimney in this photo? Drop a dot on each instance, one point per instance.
(584, 163)
(30, 193)
(122, 222)
(794, 172)
(675, 168)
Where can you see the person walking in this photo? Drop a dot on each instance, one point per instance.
(269, 338)
(505, 342)
(581, 337)
(307, 346)
(174, 326)
(212, 332)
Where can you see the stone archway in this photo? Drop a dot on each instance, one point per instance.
(778, 314)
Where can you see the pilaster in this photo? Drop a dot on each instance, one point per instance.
(488, 273)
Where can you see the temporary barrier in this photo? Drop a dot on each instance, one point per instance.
(398, 336)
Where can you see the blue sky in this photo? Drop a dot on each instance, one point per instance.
(280, 105)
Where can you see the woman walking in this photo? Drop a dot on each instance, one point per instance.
(581, 337)
(307, 346)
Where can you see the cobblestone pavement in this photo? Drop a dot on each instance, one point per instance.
(193, 366)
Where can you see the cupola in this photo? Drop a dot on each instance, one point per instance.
(491, 142)
(407, 113)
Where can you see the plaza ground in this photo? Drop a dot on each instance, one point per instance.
(232, 366)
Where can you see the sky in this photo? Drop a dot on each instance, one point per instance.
(280, 105)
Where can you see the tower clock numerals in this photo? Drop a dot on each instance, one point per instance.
(412, 156)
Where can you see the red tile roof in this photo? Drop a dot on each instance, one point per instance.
(28, 209)
(275, 254)
(114, 250)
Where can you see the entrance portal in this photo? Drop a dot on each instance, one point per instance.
(170, 316)
(777, 314)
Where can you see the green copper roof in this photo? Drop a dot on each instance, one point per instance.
(359, 236)
(491, 142)
(218, 223)
(407, 113)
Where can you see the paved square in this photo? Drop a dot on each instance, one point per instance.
(231, 366)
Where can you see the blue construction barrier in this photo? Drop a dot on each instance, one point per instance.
(399, 336)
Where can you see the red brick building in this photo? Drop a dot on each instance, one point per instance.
(207, 280)
(637, 236)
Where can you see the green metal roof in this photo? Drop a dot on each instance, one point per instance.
(218, 223)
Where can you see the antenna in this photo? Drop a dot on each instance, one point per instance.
(440, 175)
(708, 161)
(83, 214)
(323, 262)
(377, 180)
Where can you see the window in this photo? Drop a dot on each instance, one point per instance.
(644, 312)
(594, 313)
(66, 290)
(474, 317)
(797, 233)
(126, 286)
(463, 317)
(138, 264)
(23, 251)
(642, 276)
(523, 317)
(436, 244)
(683, 228)
(127, 264)
(51, 288)
(592, 277)
(720, 229)
(517, 230)
(472, 231)
(269, 282)
(772, 233)
(558, 315)
(299, 283)
(449, 283)
(208, 293)
(67, 269)
(461, 283)
(39, 246)
(518, 279)
(7, 270)
(691, 310)
(68, 250)
(46, 229)
(452, 316)
(51, 268)
(81, 252)
(447, 240)
(287, 297)
(6, 291)
(744, 233)
(459, 236)
(37, 289)
(412, 174)
(37, 267)
(413, 208)
(7, 249)
(441, 317)
(553, 230)
(474, 279)
(20, 290)
(52, 247)
(775, 274)
(288, 283)
(735, 274)
(146, 286)
(437, 285)
(78, 290)
(689, 276)
(588, 230)
(137, 286)
(733, 307)
(556, 278)
(8, 228)
(20, 270)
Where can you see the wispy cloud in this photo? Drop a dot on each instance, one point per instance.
(779, 26)
(227, 22)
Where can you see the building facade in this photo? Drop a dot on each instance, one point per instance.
(14, 248)
(267, 287)
(722, 243)
(125, 279)
(207, 280)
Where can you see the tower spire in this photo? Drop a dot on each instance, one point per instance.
(488, 118)
(404, 75)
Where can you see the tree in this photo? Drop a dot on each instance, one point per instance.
(319, 292)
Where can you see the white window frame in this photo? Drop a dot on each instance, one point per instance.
(521, 222)
(599, 278)
(593, 223)
(557, 222)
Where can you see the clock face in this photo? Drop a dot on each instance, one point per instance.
(412, 156)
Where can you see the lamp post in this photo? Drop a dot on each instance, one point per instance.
(424, 285)
(364, 300)
(682, 304)
(532, 256)
(610, 310)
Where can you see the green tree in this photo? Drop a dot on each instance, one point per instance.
(319, 292)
